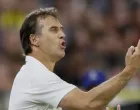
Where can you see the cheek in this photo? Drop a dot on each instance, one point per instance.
(50, 42)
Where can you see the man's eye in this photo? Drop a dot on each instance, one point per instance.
(54, 29)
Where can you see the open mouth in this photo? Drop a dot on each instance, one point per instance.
(63, 45)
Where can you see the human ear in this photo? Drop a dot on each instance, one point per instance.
(34, 40)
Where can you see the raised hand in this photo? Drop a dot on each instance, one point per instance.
(132, 58)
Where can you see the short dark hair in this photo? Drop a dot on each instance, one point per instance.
(29, 26)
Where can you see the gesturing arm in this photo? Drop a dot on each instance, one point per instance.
(98, 97)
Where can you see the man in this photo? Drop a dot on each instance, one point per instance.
(36, 87)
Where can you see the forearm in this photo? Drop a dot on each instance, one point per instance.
(98, 97)
(105, 92)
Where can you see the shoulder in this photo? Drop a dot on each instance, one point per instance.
(36, 73)
(31, 79)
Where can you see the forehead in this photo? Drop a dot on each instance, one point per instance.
(49, 21)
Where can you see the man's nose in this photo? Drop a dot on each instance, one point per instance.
(62, 35)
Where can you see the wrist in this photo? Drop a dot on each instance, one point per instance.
(127, 74)
(130, 69)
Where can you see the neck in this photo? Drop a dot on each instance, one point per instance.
(45, 61)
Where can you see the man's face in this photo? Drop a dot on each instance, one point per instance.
(51, 40)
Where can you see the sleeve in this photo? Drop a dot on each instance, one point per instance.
(49, 90)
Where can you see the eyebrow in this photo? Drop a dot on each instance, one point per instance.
(57, 27)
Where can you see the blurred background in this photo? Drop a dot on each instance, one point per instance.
(98, 34)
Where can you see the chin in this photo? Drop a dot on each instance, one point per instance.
(60, 56)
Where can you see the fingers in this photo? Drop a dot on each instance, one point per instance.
(130, 51)
(134, 50)
(118, 107)
(138, 45)
(107, 108)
